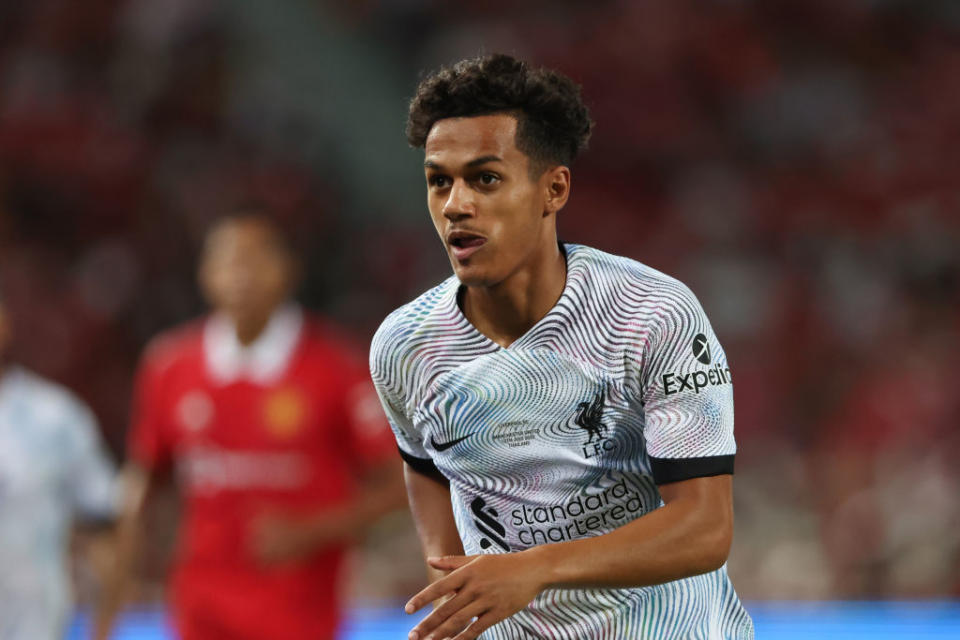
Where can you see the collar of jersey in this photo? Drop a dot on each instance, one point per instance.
(263, 361)
(573, 267)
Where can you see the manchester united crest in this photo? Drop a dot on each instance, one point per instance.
(285, 412)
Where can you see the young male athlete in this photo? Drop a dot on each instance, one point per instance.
(278, 444)
(565, 415)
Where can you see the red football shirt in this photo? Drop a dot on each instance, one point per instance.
(290, 441)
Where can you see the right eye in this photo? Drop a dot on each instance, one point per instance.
(438, 181)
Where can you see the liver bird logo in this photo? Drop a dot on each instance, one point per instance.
(590, 416)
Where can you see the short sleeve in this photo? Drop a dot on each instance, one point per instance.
(387, 369)
(149, 441)
(410, 446)
(687, 393)
(92, 481)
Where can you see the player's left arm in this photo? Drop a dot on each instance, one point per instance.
(689, 535)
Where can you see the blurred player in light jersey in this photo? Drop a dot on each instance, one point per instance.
(53, 471)
(565, 415)
(279, 447)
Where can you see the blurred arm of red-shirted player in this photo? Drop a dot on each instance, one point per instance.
(148, 466)
(366, 440)
(138, 484)
(279, 538)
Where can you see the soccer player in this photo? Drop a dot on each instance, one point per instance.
(53, 471)
(565, 415)
(279, 445)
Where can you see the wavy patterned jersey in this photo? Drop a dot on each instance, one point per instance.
(567, 432)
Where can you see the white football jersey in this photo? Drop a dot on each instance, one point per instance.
(567, 433)
(53, 467)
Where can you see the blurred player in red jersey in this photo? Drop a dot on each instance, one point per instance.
(279, 447)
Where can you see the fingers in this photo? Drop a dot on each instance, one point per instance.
(443, 612)
(448, 619)
(481, 624)
(449, 563)
(476, 602)
(438, 589)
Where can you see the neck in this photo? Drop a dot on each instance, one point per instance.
(505, 311)
(249, 328)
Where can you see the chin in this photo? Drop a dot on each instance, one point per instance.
(473, 276)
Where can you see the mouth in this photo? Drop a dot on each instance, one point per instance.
(464, 244)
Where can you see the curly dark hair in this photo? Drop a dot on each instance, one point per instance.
(553, 124)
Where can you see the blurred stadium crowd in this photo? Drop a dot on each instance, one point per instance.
(795, 162)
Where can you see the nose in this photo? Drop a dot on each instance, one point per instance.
(460, 202)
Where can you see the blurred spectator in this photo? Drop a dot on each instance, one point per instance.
(53, 470)
(280, 450)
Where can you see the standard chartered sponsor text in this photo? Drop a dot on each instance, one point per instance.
(579, 516)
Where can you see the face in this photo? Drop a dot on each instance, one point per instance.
(491, 215)
(245, 270)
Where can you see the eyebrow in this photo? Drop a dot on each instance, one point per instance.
(476, 162)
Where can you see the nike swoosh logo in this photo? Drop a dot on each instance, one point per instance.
(443, 446)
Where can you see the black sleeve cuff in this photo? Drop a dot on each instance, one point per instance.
(667, 470)
(423, 466)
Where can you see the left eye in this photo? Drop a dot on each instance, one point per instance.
(488, 178)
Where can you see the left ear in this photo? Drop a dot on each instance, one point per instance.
(556, 184)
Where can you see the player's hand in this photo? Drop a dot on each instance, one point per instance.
(489, 588)
(277, 539)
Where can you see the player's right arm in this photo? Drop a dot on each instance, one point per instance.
(428, 491)
(149, 452)
(137, 483)
(430, 505)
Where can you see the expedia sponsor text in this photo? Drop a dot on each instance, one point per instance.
(713, 377)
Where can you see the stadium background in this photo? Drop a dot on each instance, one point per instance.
(794, 161)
